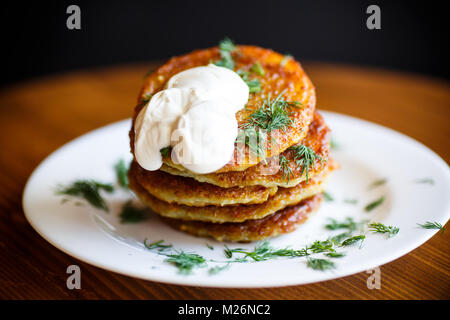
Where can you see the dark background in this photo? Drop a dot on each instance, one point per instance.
(37, 42)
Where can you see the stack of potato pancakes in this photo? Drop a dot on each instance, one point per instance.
(252, 197)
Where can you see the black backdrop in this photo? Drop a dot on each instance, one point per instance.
(37, 42)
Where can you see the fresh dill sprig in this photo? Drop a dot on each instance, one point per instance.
(157, 245)
(340, 237)
(327, 196)
(88, 190)
(345, 238)
(374, 204)
(426, 180)
(321, 246)
(131, 214)
(186, 262)
(273, 114)
(217, 269)
(254, 85)
(320, 264)
(353, 240)
(165, 151)
(229, 252)
(348, 223)
(121, 173)
(335, 254)
(257, 68)
(284, 166)
(263, 251)
(378, 227)
(305, 158)
(377, 183)
(432, 225)
(226, 47)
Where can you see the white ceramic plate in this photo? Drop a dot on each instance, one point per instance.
(367, 152)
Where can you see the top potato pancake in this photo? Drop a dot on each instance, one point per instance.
(281, 76)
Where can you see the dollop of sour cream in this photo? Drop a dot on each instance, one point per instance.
(195, 114)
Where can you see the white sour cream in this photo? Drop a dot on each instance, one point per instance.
(195, 114)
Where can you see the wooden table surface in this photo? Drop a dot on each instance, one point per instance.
(38, 116)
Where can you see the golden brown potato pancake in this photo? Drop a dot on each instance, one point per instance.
(280, 76)
(233, 213)
(187, 191)
(318, 139)
(282, 221)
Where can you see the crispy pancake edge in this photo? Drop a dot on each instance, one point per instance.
(234, 213)
(187, 191)
(283, 221)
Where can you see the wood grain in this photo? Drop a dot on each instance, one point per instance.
(39, 116)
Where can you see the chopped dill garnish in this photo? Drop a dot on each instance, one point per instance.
(185, 262)
(374, 204)
(348, 223)
(320, 264)
(377, 183)
(285, 59)
(131, 214)
(340, 237)
(217, 269)
(210, 247)
(226, 47)
(159, 245)
(263, 251)
(321, 246)
(351, 201)
(353, 240)
(88, 190)
(426, 180)
(304, 158)
(327, 196)
(345, 238)
(273, 114)
(432, 225)
(257, 68)
(229, 252)
(284, 166)
(121, 173)
(335, 254)
(165, 151)
(377, 227)
(254, 85)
